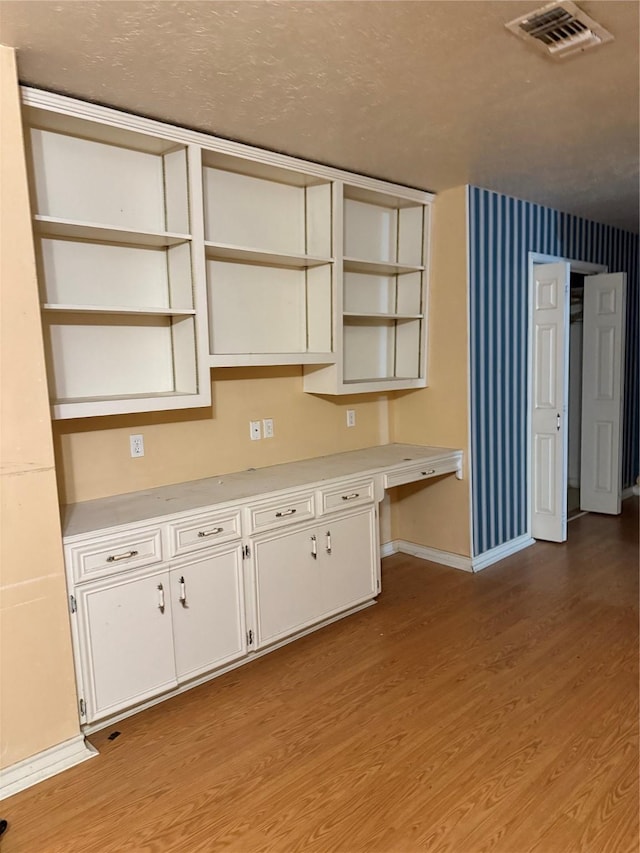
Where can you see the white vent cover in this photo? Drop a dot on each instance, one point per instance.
(559, 29)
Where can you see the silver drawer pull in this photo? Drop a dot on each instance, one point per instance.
(214, 532)
(427, 473)
(115, 557)
(351, 497)
(286, 512)
(161, 598)
(328, 548)
(314, 547)
(182, 598)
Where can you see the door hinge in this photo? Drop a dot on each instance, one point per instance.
(249, 638)
(72, 603)
(378, 586)
(246, 553)
(83, 708)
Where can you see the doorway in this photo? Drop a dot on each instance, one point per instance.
(574, 421)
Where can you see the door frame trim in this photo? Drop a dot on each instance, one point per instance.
(582, 267)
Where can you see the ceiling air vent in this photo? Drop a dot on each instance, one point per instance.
(559, 30)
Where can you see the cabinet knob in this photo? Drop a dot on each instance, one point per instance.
(428, 473)
(182, 598)
(314, 547)
(351, 496)
(161, 598)
(328, 546)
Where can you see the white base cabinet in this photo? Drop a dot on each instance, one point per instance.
(125, 642)
(207, 574)
(309, 574)
(207, 601)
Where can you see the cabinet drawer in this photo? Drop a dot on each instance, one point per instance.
(346, 495)
(419, 472)
(281, 511)
(203, 531)
(111, 554)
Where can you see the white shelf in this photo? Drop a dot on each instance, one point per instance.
(378, 267)
(269, 358)
(240, 254)
(117, 309)
(50, 226)
(357, 315)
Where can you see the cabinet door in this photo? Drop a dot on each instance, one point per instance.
(347, 546)
(126, 643)
(208, 615)
(288, 584)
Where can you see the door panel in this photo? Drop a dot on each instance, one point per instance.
(349, 567)
(207, 603)
(550, 359)
(127, 642)
(602, 392)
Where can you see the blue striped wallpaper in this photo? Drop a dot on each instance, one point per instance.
(502, 231)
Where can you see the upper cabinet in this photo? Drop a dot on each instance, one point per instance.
(162, 252)
(123, 316)
(270, 264)
(381, 297)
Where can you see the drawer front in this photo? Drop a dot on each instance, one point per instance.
(282, 511)
(343, 496)
(112, 554)
(203, 531)
(419, 472)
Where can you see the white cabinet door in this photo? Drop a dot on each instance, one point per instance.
(348, 561)
(305, 575)
(288, 583)
(126, 642)
(208, 612)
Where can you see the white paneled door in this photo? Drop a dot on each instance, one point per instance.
(602, 393)
(550, 353)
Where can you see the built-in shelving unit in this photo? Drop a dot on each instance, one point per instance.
(382, 320)
(268, 244)
(163, 252)
(113, 242)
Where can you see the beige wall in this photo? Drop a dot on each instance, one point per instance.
(37, 693)
(437, 514)
(93, 454)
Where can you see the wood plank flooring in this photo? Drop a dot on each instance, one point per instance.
(464, 713)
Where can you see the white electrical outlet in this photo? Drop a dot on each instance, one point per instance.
(136, 444)
(254, 430)
(351, 418)
(267, 427)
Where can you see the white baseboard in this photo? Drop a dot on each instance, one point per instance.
(635, 490)
(456, 561)
(388, 548)
(44, 764)
(434, 555)
(495, 554)
(630, 492)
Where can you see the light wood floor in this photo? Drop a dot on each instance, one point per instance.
(495, 712)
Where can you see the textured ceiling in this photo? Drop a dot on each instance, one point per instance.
(431, 94)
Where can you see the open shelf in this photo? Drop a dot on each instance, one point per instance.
(49, 226)
(117, 309)
(378, 316)
(224, 252)
(378, 267)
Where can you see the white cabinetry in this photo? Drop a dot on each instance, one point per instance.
(269, 249)
(163, 251)
(124, 642)
(207, 601)
(122, 304)
(234, 566)
(381, 306)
